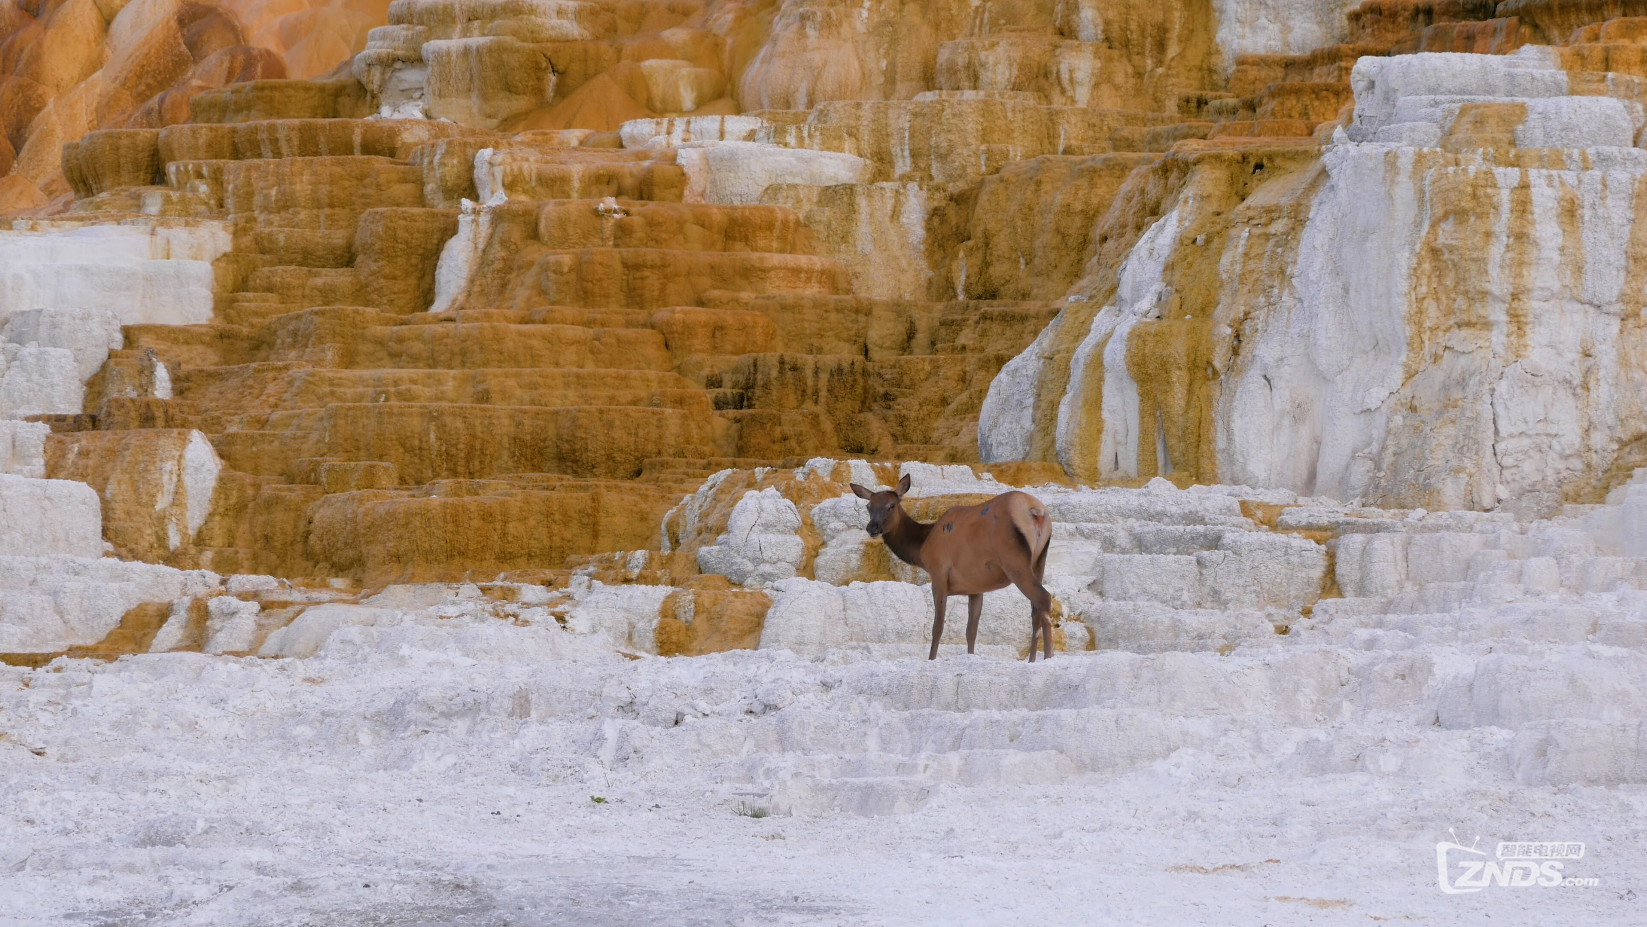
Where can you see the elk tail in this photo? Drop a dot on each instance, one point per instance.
(1034, 528)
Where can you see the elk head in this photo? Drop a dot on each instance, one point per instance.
(882, 505)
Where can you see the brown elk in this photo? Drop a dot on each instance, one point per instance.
(971, 550)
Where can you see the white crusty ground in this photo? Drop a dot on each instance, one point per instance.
(433, 781)
(431, 756)
(424, 762)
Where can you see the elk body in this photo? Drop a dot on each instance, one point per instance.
(971, 550)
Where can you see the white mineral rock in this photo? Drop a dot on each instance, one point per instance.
(42, 518)
(158, 274)
(37, 380)
(762, 542)
(23, 448)
(232, 626)
(737, 173)
(88, 334)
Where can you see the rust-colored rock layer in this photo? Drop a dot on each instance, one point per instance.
(504, 287)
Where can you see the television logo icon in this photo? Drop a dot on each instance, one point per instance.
(1519, 864)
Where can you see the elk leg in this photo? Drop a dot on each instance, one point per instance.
(1034, 629)
(1040, 610)
(940, 596)
(1046, 602)
(974, 611)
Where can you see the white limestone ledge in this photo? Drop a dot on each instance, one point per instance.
(145, 273)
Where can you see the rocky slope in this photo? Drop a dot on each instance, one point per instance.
(512, 258)
(1284, 726)
(69, 68)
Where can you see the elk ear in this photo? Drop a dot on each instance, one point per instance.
(861, 492)
(903, 485)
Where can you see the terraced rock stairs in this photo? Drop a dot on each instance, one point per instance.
(622, 338)
(605, 344)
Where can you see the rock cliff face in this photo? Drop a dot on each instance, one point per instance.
(493, 285)
(1440, 308)
(69, 68)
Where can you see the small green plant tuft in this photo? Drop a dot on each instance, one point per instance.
(597, 799)
(748, 810)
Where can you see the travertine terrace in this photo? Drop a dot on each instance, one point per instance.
(507, 265)
(492, 351)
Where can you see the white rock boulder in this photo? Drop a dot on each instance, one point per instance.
(737, 173)
(23, 448)
(36, 380)
(43, 518)
(158, 273)
(88, 334)
(762, 542)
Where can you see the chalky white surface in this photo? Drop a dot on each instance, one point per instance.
(736, 173)
(431, 755)
(88, 334)
(143, 274)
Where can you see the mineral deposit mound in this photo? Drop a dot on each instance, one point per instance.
(426, 430)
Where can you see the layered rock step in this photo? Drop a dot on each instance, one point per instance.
(301, 198)
(58, 587)
(541, 65)
(1221, 615)
(698, 289)
(483, 394)
(634, 289)
(1523, 111)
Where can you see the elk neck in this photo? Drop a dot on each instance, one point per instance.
(905, 537)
